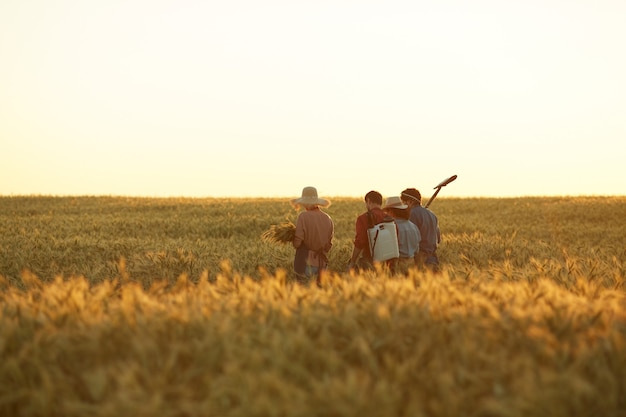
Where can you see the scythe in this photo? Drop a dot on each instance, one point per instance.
(438, 188)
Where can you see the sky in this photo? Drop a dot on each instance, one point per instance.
(241, 98)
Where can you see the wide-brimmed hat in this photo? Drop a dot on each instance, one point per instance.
(310, 198)
(394, 202)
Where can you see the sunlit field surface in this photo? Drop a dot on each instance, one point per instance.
(175, 307)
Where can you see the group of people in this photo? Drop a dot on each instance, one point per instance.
(417, 230)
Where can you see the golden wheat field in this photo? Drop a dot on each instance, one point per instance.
(115, 306)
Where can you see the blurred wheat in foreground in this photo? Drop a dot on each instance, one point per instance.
(370, 345)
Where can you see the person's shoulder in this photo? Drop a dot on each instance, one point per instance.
(430, 212)
(324, 214)
(406, 223)
(424, 210)
(363, 217)
(308, 214)
(379, 211)
(415, 211)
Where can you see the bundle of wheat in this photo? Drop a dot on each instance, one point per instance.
(280, 233)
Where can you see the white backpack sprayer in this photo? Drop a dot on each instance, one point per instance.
(383, 240)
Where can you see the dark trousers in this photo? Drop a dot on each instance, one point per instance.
(424, 259)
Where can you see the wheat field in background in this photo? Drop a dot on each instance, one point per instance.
(116, 306)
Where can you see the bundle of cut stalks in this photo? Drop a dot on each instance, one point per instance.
(280, 233)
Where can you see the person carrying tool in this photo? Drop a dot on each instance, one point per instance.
(428, 225)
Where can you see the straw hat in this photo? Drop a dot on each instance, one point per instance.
(310, 198)
(394, 202)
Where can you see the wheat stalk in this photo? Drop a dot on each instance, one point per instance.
(280, 233)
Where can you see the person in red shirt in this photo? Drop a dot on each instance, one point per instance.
(361, 257)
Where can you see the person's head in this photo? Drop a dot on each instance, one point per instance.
(411, 197)
(373, 199)
(396, 208)
(309, 199)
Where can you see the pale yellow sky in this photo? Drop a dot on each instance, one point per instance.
(248, 98)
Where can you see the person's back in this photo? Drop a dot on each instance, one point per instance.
(313, 236)
(361, 254)
(408, 233)
(428, 225)
(314, 228)
(363, 222)
(409, 238)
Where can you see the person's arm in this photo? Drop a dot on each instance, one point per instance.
(329, 245)
(356, 252)
(299, 236)
(358, 241)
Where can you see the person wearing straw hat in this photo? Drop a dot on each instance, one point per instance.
(408, 233)
(313, 236)
(427, 223)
